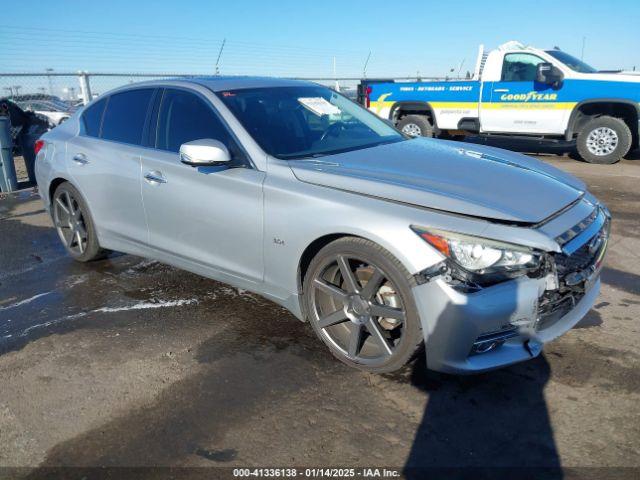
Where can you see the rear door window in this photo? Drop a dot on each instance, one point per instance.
(92, 118)
(125, 116)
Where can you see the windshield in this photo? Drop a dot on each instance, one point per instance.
(303, 122)
(572, 62)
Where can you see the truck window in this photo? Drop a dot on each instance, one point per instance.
(520, 67)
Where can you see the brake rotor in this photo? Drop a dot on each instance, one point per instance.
(385, 295)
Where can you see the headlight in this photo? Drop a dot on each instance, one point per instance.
(482, 257)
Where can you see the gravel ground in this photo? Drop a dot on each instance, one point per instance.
(127, 362)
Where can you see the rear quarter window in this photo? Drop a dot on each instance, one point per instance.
(125, 116)
(92, 118)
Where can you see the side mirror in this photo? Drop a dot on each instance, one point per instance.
(548, 74)
(204, 152)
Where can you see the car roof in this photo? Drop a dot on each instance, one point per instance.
(218, 84)
(222, 83)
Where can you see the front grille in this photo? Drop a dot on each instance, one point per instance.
(577, 229)
(573, 270)
(582, 258)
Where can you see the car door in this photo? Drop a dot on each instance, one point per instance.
(208, 215)
(104, 163)
(519, 104)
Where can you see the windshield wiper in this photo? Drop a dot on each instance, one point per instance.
(293, 156)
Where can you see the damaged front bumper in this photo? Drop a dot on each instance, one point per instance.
(471, 331)
(454, 323)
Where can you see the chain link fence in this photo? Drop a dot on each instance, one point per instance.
(76, 88)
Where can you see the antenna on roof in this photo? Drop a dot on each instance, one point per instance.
(220, 55)
(364, 70)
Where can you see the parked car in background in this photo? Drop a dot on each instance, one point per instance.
(56, 111)
(288, 189)
(26, 128)
(517, 92)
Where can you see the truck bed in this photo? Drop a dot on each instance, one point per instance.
(450, 100)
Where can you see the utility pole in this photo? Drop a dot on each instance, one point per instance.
(49, 70)
(337, 86)
(224, 40)
(85, 87)
(584, 40)
(460, 66)
(364, 70)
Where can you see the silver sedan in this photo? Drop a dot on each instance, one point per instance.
(388, 246)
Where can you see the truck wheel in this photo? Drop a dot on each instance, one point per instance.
(604, 140)
(415, 126)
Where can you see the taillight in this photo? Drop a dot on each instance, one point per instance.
(367, 97)
(38, 146)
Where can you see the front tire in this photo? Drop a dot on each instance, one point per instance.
(359, 302)
(604, 140)
(415, 126)
(73, 222)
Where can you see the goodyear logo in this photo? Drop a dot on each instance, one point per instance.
(529, 97)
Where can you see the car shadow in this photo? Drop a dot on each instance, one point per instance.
(492, 425)
(488, 425)
(536, 146)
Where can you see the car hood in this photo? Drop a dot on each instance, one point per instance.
(461, 178)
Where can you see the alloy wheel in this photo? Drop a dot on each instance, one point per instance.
(69, 222)
(357, 309)
(412, 130)
(602, 141)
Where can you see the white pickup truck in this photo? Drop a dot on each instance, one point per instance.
(520, 91)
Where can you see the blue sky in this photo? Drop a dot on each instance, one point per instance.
(300, 38)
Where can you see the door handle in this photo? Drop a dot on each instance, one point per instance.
(154, 178)
(80, 159)
(501, 90)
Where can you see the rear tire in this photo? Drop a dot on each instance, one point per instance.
(415, 126)
(74, 224)
(350, 318)
(604, 140)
